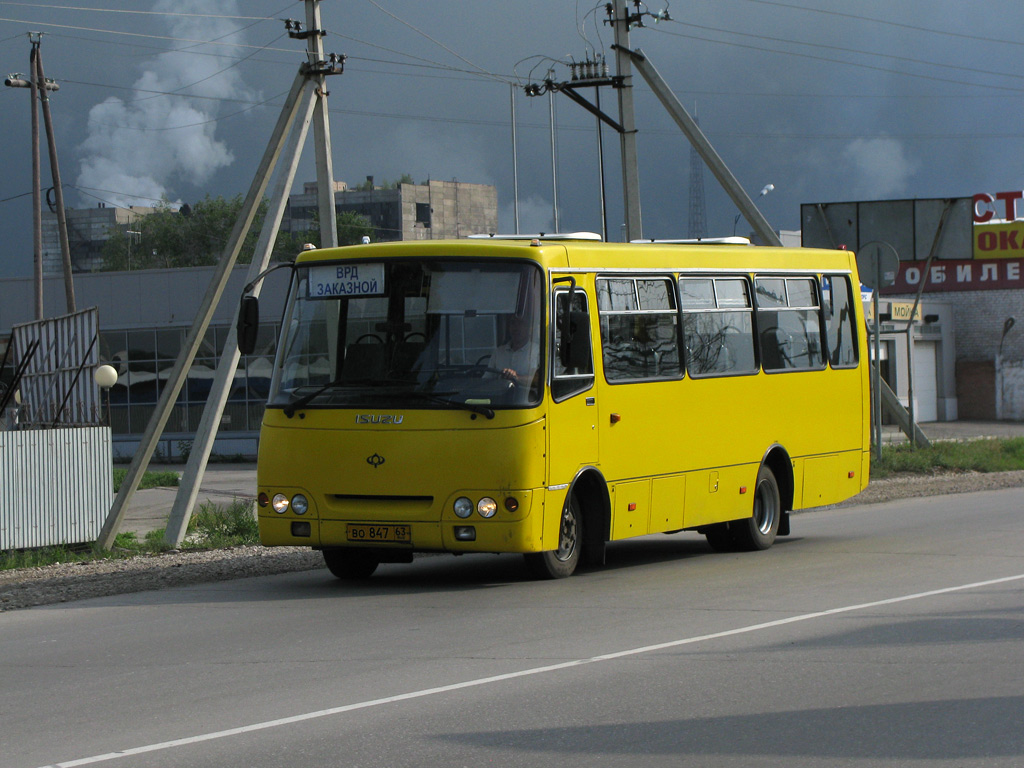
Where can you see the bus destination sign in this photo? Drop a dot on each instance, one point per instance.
(333, 281)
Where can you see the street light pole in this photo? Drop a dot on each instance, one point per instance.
(764, 191)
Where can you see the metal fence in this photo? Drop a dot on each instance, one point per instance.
(56, 359)
(57, 486)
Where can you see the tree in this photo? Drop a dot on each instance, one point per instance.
(197, 236)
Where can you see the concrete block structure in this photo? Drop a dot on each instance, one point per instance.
(88, 230)
(435, 210)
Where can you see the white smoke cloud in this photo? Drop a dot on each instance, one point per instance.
(878, 168)
(137, 149)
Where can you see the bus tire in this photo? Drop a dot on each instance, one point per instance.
(349, 564)
(561, 563)
(760, 529)
(720, 538)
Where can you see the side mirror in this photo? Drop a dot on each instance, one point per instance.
(248, 324)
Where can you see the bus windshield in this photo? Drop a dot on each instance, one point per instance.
(430, 333)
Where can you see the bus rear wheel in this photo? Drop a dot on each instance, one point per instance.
(561, 563)
(349, 564)
(760, 529)
(720, 538)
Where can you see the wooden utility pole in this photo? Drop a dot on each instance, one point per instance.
(58, 189)
(39, 87)
(37, 207)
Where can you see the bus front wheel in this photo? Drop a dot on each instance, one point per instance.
(349, 564)
(759, 530)
(562, 562)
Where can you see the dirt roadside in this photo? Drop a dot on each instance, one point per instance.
(66, 582)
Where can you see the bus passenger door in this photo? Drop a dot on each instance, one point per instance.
(573, 415)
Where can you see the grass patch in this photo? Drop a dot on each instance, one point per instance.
(973, 456)
(213, 526)
(149, 479)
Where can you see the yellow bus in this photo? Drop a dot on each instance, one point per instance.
(548, 396)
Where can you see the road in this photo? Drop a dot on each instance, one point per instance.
(876, 635)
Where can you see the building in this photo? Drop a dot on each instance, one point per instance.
(88, 230)
(433, 211)
(963, 253)
(144, 317)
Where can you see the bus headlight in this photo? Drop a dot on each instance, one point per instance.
(300, 504)
(487, 507)
(463, 507)
(280, 503)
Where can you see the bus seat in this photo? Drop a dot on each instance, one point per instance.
(405, 357)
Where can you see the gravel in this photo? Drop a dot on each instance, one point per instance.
(66, 582)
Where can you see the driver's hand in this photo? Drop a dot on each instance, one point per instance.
(509, 374)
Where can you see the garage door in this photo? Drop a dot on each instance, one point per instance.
(925, 389)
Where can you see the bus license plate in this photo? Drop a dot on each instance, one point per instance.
(401, 533)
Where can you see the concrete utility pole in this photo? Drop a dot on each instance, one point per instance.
(593, 73)
(627, 136)
(307, 91)
(700, 142)
(39, 87)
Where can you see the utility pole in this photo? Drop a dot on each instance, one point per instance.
(58, 188)
(626, 59)
(316, 72)
(698, 228)
(306, 101)
(621, 22)
(40, 86)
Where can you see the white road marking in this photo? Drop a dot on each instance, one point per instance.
(268, 724)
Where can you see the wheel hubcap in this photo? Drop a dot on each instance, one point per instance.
(765, 507)
(567, 537)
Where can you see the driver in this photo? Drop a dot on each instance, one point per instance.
(518, 358)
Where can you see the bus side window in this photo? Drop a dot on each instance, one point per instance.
(789, 323)
(718, 328)
(639, 328)
(566, 381)
(839, 321)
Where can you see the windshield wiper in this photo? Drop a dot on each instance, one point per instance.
(306, 399)
(436, 397)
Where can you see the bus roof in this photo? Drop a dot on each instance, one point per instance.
(585, 255)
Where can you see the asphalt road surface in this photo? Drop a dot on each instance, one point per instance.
(882, 635)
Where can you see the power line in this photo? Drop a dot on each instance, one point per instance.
(885, 22)
(418, 31)
(142, 13)
(847, 49)
(871, 67)
(139, 34)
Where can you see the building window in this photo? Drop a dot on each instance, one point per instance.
(423, 214)
(144, 361)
